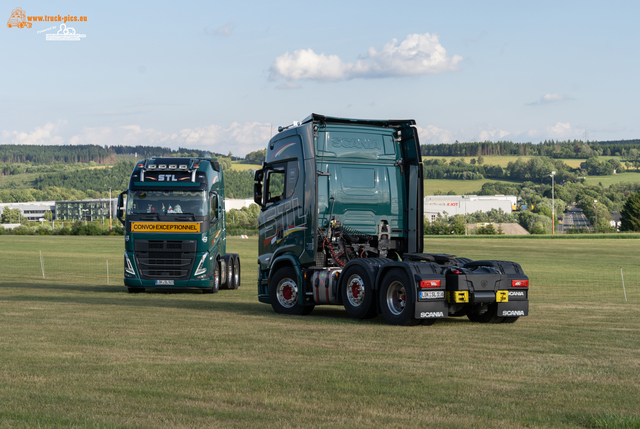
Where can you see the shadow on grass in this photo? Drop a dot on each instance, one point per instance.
(118, 296)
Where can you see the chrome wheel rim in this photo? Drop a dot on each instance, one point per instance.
(355, 290)
(287, 293)
(396, 298)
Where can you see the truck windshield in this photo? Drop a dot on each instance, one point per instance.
(167, 202)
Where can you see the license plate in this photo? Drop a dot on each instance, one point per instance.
(432, 294)
(164, 282)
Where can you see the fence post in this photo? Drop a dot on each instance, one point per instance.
(42, 264)
(107, 272)
(623, 288)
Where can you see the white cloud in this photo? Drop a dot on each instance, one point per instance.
(417, 54)
(550, 98)
(47, 134)
(434, 135)
(238, 138)
(493, 135)
(563, 131)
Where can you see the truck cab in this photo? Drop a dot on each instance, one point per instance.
(174, 219)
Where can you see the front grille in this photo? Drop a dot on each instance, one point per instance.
(164, 259)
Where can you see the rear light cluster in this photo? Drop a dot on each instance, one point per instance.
(424, 284)
(519, 283)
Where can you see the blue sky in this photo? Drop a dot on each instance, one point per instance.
(223, 75)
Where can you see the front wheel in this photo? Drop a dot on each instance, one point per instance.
(398, 299)
(284, 293)
(216, 277)
(357, 293)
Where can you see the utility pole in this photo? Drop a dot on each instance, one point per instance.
(595, 204)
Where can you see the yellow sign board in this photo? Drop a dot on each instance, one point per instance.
(165, 227)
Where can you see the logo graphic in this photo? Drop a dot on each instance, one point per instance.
(18, 19)
(65, 34)
(282, 149)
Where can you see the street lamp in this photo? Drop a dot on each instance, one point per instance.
(553, 205)
(595, 206)
(109, 208)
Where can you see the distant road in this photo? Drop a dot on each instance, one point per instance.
(574, 218)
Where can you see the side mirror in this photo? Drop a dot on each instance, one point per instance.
(258, 176)
(120, 210)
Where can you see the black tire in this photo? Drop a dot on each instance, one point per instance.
(509, 319)
(490, 316)
(236, 272)
(230, 273)
(284, 293)
(135, 289)
(357, 293)
(398, 299)
(215, 287)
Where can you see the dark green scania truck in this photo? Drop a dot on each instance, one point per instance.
(174, 219)
(342, 223)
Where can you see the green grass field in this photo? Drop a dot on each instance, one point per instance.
(460, 187)
(243, 167)
(502, 161)
(78, 352)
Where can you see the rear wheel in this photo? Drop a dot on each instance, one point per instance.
(357, 293)
(398, 299)
(230, 273)
(236, 272)
(284, 293)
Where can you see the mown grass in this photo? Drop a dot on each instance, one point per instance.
(460, 187)
(502, 161)
(244, 167)
(629, 176)
(81, 353)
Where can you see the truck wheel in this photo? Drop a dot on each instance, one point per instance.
(284, 292)
(216, 277)
(490, 316)
(357, 293)
(230, 273)
(398, 298)
(236, 272)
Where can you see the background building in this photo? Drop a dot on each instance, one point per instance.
(466, 204)
(88, 210)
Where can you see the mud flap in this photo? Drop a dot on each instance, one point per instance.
(513, 309)
(431, 310)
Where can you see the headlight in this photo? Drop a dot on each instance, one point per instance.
(202, 267)
(128, 267)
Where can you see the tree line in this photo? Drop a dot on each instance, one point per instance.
(569, 149)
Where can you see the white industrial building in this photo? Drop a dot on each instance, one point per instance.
(93, 209)
(466, 204)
